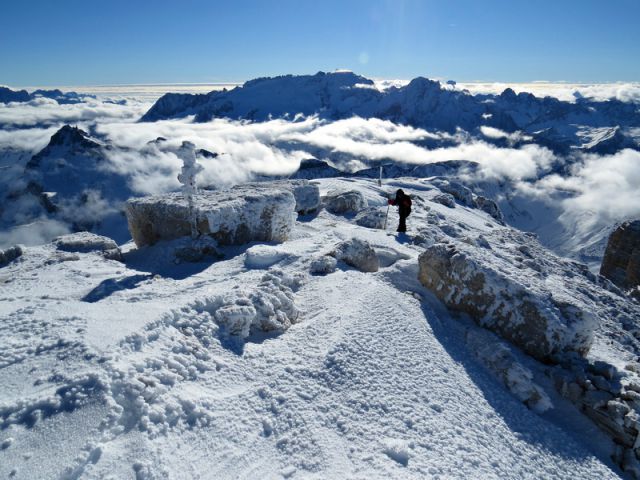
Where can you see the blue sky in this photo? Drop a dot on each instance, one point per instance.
(120, 42)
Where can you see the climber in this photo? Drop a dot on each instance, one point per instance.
(403, 202)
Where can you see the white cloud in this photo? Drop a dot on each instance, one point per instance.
(607, 186)
(45, 111)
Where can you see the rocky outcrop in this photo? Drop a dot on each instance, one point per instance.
(524, 309)
(453, 191)
(342, 203)
(357, 253)
(610, 398)
(621, 262)
(445, 199)
(231, 217)
(10, 254)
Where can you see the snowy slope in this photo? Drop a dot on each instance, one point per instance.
(124, 365)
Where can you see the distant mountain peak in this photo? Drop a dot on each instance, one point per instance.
(72, 136)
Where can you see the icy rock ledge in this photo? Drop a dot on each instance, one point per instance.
(520, 307)
(231, 217)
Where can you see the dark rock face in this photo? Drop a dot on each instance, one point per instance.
(7, 95)
(621, 262)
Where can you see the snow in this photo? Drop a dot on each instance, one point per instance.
(263, 256)
(244, 368)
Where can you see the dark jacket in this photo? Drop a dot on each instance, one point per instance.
(403, 202)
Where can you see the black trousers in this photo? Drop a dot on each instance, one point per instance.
(402, 226)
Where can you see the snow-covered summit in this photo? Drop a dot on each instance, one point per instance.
(286, 361)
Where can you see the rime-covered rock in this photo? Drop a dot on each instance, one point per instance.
(505, 296)
(307, 194)
(359, 254)
(231, 217)
(461, 193)
(267, 307)
(371, 217)
(85, 242)
(323, 265)
(445, 199)
(345, 202)
(621, 262)
(489, 206)
(498, 358)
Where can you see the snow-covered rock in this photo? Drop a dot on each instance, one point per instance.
(522, 307)
(445, 199)
(621, 262)
(359, 254)
(269, 307)
(85, 242)
(323, 265)
(461, 193)
(345, 202)
(498, 358)
(306, 194)
(10, 254)
(231, 217)
(489, 206)
(263, 256)
(371, 217)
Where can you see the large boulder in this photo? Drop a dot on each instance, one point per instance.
(231, 217)
(503, 294)
(357, 253)
(621, 262)
(345, 202)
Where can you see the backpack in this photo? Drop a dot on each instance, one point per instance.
(405, 203)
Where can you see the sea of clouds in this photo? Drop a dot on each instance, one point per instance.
(603, 189)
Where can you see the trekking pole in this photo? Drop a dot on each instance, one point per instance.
(385, 218)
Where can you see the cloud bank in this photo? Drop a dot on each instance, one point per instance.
(603, 189)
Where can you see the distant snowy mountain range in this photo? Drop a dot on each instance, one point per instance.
(422, 103)
(8, 95)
